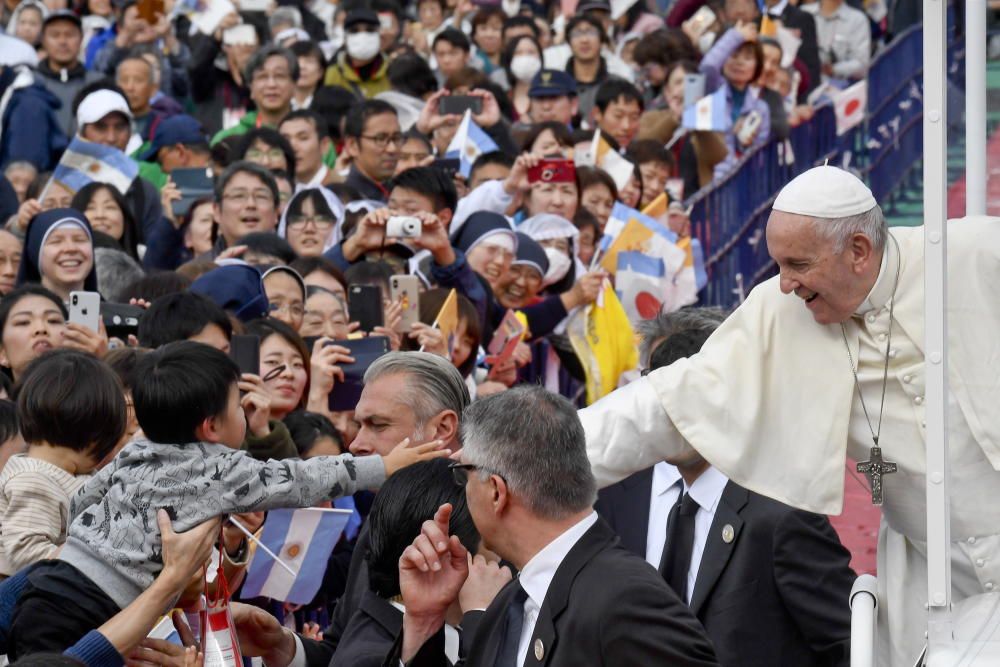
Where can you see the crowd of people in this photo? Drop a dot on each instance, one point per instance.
(266, 181)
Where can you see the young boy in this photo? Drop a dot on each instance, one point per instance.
(188, 405)
(70, 426)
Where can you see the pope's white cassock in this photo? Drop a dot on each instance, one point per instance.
(771, 401)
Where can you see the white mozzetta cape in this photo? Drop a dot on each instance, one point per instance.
(768, 399)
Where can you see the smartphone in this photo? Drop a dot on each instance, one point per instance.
(403, 226)
(148, 10)
(694, 88)
(549, 170)
(240, 34)
(701, 21)
(751, 123)
(121, 319)
(255, 5)
(193, 184)
(406, 289)
(459, 104)
(346, 394)
(245, 351)
(448, 165)
(85, 309)
(364, 302)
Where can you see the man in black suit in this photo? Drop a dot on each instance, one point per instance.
(770, 583)
(579, 598)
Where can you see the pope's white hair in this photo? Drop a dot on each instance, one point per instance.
(871, 223)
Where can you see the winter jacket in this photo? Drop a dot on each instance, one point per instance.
(65, 84)
(29, 125)
(342, 74)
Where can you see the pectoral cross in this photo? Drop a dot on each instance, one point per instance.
(874, 468)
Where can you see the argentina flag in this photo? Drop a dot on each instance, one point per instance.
(470, 141)
(85, 162)
(708, 113)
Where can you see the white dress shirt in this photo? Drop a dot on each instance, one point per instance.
(667, 485)
(316, 181)
(537, 574)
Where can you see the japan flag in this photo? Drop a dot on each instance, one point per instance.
(850, 106)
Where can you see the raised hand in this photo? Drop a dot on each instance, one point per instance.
(405, 454)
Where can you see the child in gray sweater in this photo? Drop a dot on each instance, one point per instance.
(189, 407)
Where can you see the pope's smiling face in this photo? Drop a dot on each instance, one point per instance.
(831, 284)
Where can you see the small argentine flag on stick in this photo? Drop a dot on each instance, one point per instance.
(85, 162)
(298, 544)
(708, 113)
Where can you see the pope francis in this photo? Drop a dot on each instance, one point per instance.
(826, 361)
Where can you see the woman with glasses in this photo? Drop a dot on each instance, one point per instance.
(311, 222)
(286, 294)
(264, 146)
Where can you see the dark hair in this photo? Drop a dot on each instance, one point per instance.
(266, 327)
(584, 219)
(189, 216)
(441, 3)
(560, 131)
(244, 167)
(431, 302)
(679, 345)
(614, 89)
(320, 205)
(11, 299)
(318, 122)
(309, 49)
(259, 58)
(590, 19)
(123, 362)
(758, 54)
(178, 387)
(648, 150)
(306, 265)
(429, 182)
(8, 420)
(467, 77)
(454, 37)
(494, 157)
(130, 230)
(270, 137)
(410, 74)
(333, 103)
(664, 47)
(308, 427)
(508, 52)
(156, 284)
(359, 114)
(370, 273)
(268, 243)
(588, 176)
(414, 133)
(177, 317)
(484, 14)
(70, 399)
(406, 500)
(520, 21)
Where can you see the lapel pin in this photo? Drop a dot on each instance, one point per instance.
(539, 650)
(728, 533)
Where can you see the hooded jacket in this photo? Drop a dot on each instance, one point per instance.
(342, 74)
(29, 126)
(65, 85)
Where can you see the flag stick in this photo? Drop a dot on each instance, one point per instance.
(45, 190)
(260, 545)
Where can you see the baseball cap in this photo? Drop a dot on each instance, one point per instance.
(594, 5)
(552, 83)
(361, 15)
(179, 129)
(63, 15)
(99, 104)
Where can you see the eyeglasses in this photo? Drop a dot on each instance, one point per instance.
(460, 471)
(584, 32)
(270, 154)
(321, 222)
(383, 140)
(293, 309)
(242, 197)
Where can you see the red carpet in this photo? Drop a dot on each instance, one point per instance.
(956, 193)
(858, 523)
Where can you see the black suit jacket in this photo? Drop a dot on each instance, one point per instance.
(776, 594)
(797, 19)
(603, 607)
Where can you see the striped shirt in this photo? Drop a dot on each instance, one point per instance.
(34, 510)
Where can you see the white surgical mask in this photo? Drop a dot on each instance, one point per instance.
(705, 42)
(559, 265)
(363, 45)
(524, 68)
(510, 7)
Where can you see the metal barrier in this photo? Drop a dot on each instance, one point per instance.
(729, 216)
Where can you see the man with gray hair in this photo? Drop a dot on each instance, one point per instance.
(787, 388)
(580, 599)
(408, 398)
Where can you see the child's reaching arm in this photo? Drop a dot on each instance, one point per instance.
(250, 485)
(34, 523)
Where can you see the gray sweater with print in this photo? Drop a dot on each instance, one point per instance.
(113, 534)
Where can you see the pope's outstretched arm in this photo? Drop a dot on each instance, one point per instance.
(628, 430)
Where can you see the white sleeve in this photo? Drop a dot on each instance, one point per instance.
(627, 431)
(490, 196)
(300, 654)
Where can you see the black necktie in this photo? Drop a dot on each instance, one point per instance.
(676, 560)
(513, 620)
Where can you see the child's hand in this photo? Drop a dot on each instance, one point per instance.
(256, 404)
(405, 454)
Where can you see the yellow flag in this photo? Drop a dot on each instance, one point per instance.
(447, 319)
(657, 209)
(633, 238)
(604, 341)
(768, 28)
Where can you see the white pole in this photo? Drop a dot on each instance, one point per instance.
(864, 602)
(936, 330)
(975, 107)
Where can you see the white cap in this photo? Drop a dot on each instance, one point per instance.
(99, 104)
(825, 192)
